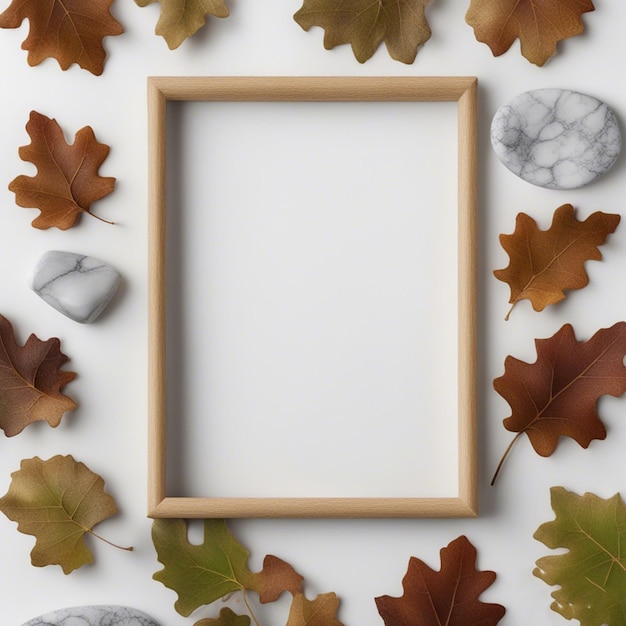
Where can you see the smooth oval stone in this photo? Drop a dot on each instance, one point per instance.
(78, 286)
(94, 616)
(556, 138)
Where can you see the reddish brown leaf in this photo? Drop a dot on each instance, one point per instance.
(319, 612)
(275, 577)
(71, 31)
(31, 381)
(67, 181)
(557, 394)
(539, 24)
(448, 597)
(544, 263)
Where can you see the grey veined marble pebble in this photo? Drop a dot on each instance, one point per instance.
(78, 286)
(556, 138)
(93, 616)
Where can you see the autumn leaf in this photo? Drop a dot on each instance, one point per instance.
(592, 573)
(544, 263)
(557, 394)
(200, 574)
(318, 612)
(67, 181)
(539, 24)
(31, 381)
(71, 31)
(180, 19)
(276, 577)
(364, 24)
(225, 618)
(58, 501)
(449, 596)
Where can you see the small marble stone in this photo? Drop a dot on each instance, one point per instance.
(93, 616)
(556, 138)
(78, 286)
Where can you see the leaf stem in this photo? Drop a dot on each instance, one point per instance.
(100, 218)
(252, 615)
(508, 315)
(130, 549)
(506, 453)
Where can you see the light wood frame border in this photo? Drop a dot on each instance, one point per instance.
(462, 90)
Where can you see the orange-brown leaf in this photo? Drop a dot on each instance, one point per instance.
(539, 24)
(275, 577)
(319, 612)
(449, 596)
(544, 263)
(67, 181)
(365, 24)
(556, 396)
(71, 31)
(31, 381)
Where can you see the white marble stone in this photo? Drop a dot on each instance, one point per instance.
(78, 286)
(93, 616)
(556, 138)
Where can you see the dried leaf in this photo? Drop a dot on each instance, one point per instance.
(67, 180)
(31, 381)
(448, 597)
(364, 24)
(71, 31)
(58, 501)
(557, 394)
(544, 263)
(592, 573)
(539, 24)
(276, 577)
(225, 618)
(200, 574)
(180, 19)
(319, 612)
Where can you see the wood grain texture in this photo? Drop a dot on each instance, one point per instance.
(462, 90)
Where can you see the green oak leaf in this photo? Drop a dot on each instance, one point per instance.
(225, 618)
(200, 574)
(592, 574)
(180, 19)
(58, 501)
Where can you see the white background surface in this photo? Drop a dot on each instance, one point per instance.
(359, 560)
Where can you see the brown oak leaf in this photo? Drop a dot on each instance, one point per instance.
(321, 611)
(557, 394)
(71, 31)
(31, 381)
(58, 501)
(544, 263)
(539, 24)
(180, 19)
(275, 577)
(67, 181)
(365, 24)
(449, 597)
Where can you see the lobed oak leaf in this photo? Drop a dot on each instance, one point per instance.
(539, 24)
(365, 24)
(448, 597)
(200, 574)
(31, 381)
(58, 501)
(226, 618)
(276, 577)
(318, 612)
(71, 31)
(592, 573)
(67, 181)
(180, 19)
(544, 263)
(556, 396)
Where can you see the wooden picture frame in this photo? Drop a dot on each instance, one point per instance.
(463, 91)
